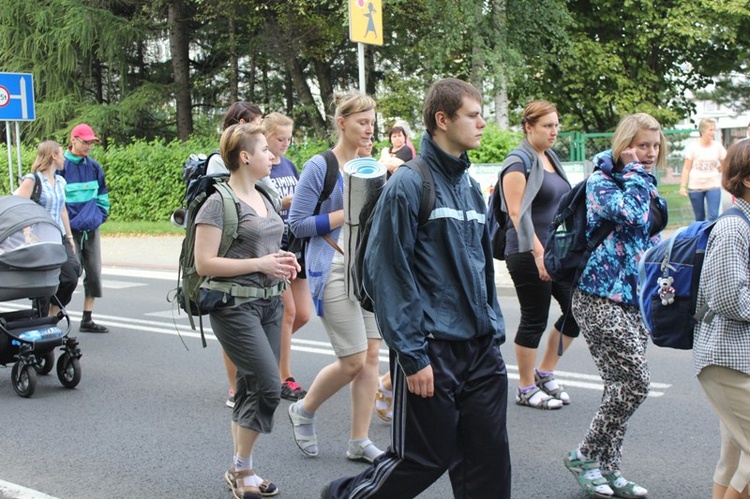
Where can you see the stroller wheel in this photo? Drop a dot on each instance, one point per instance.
(68, 370)
(24, 379)
(45, 364)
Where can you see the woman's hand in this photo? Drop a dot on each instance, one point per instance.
(279, 265)
(286, 202)
(539, 261)
(628, 156)
(683, 191)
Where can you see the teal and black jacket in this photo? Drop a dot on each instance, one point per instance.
(436, 280)
(86, 193)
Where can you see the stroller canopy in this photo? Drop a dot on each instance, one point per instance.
(31, 250)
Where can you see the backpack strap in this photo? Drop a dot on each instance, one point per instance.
(36, 191)
(332, 177)
(270, 193)
(231, 216)
(525, 159)
(427, 202)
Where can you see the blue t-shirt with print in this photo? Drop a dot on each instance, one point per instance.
(284, 177)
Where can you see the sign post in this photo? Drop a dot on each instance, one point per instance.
(365, 27)
(16, 104)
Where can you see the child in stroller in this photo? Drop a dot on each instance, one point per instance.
(31, 254)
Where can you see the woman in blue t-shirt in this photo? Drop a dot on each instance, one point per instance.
(48, 160)
(531, 198)
(296, 298)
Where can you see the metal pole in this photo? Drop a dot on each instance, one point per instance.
(18, 149)
(9, 144)
(361, 59)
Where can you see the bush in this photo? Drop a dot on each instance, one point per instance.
(144, 178)
(496, 144)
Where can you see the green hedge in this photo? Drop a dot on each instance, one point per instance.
(145, 177)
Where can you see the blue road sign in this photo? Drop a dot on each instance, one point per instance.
(17, 97)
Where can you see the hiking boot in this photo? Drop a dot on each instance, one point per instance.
(92, 327)
(290, 390)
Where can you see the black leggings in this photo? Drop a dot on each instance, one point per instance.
(534, 297)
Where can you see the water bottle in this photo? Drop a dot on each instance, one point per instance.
(41, 334)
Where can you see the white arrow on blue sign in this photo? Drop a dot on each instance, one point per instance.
(17, 97)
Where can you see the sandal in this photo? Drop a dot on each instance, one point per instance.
(545, 402)
(588, 475)
(244, 491)
(385, 414)
(308, 444)
(559, 393)
(626, 489)
(267, 488)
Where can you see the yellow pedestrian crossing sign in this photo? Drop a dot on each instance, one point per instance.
(366, 21)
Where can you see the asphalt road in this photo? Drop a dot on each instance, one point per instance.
(148, 418)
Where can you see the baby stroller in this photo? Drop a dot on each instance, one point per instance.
(31, 254)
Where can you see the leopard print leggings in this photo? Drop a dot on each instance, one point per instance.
(617, 341)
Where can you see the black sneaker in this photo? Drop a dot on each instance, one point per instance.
(92, 327)
(290, 390)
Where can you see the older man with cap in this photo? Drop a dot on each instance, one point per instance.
(88, 208)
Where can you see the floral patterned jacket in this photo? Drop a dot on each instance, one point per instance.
(612, 269)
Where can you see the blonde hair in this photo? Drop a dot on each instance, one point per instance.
(348, 104)
(274, 121)
(704, 124)
(534, 111)
(44, 154)
(629, 127)
(235, 139)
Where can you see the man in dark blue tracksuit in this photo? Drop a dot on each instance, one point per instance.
(435, 300)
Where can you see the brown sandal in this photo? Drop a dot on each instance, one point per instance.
(266, 489)
(240, 490)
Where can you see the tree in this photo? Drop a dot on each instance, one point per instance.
(641, 56)
(88, 64)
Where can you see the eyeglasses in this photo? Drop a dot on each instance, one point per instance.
(85, 142)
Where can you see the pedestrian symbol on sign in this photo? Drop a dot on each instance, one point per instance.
(366, 21)
(370, 21)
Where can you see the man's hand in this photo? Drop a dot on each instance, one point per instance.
(421, 383)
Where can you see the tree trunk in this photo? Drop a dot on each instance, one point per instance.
(501, 102)
(305, 95)
(325, 82)
(234, 66)
(476, 77)
(179, 44)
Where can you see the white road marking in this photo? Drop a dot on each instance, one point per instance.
(110, 284)
(567, 378)
(13, 491)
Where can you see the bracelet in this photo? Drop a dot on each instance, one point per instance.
(69, 237)
(538, 257)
